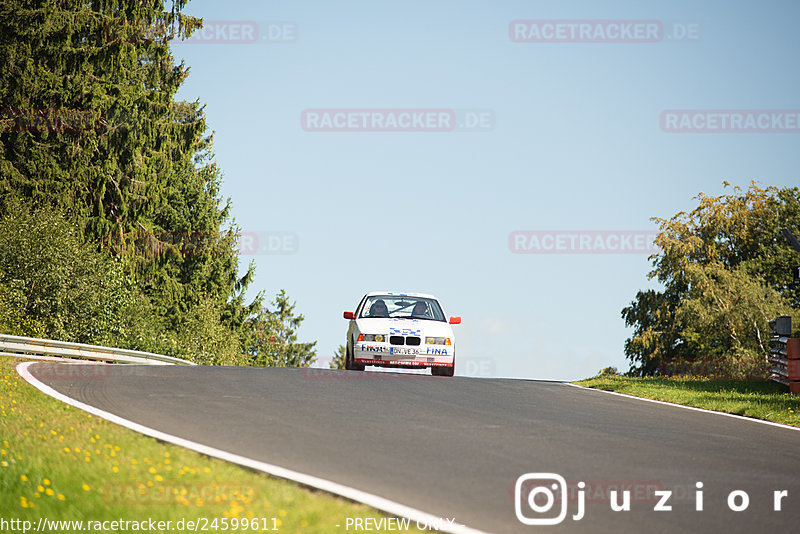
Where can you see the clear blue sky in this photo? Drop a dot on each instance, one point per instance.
(574, 144)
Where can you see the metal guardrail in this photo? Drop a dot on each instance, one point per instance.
(21, 346)
(784, 354)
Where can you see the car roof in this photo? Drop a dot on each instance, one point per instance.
(401, 294)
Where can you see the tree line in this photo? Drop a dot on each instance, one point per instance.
(113, 229)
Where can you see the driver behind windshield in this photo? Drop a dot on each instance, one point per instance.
(420, 310)
(379, 309)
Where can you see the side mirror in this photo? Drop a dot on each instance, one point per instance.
(349, 315)
(455, 320)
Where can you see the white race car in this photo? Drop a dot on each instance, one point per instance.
(407, 330)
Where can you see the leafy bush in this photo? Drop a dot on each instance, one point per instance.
(52, 284)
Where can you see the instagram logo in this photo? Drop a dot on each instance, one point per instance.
(538, 495)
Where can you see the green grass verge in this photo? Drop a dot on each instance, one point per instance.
(761, 400)
(60, 463)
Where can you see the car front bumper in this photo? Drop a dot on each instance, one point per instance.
(387, 355)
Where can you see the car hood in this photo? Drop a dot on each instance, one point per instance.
(393, 326)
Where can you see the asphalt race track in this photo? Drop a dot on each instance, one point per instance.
(454, 447)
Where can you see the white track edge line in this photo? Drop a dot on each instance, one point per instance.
(693, 408)
(353, 494)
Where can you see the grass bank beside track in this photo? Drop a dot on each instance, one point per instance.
(60, 463)
(757, 399)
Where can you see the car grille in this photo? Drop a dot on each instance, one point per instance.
(400, 340)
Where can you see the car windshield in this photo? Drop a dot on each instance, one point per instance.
(399, 306)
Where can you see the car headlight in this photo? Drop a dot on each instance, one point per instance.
(437, 341)
(372, 337)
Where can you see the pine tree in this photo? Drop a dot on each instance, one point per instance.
(89, 124)
(272, 338)
(338, 358)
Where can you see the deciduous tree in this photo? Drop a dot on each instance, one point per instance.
(725, 270)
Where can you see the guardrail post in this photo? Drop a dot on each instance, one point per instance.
(793, 357)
